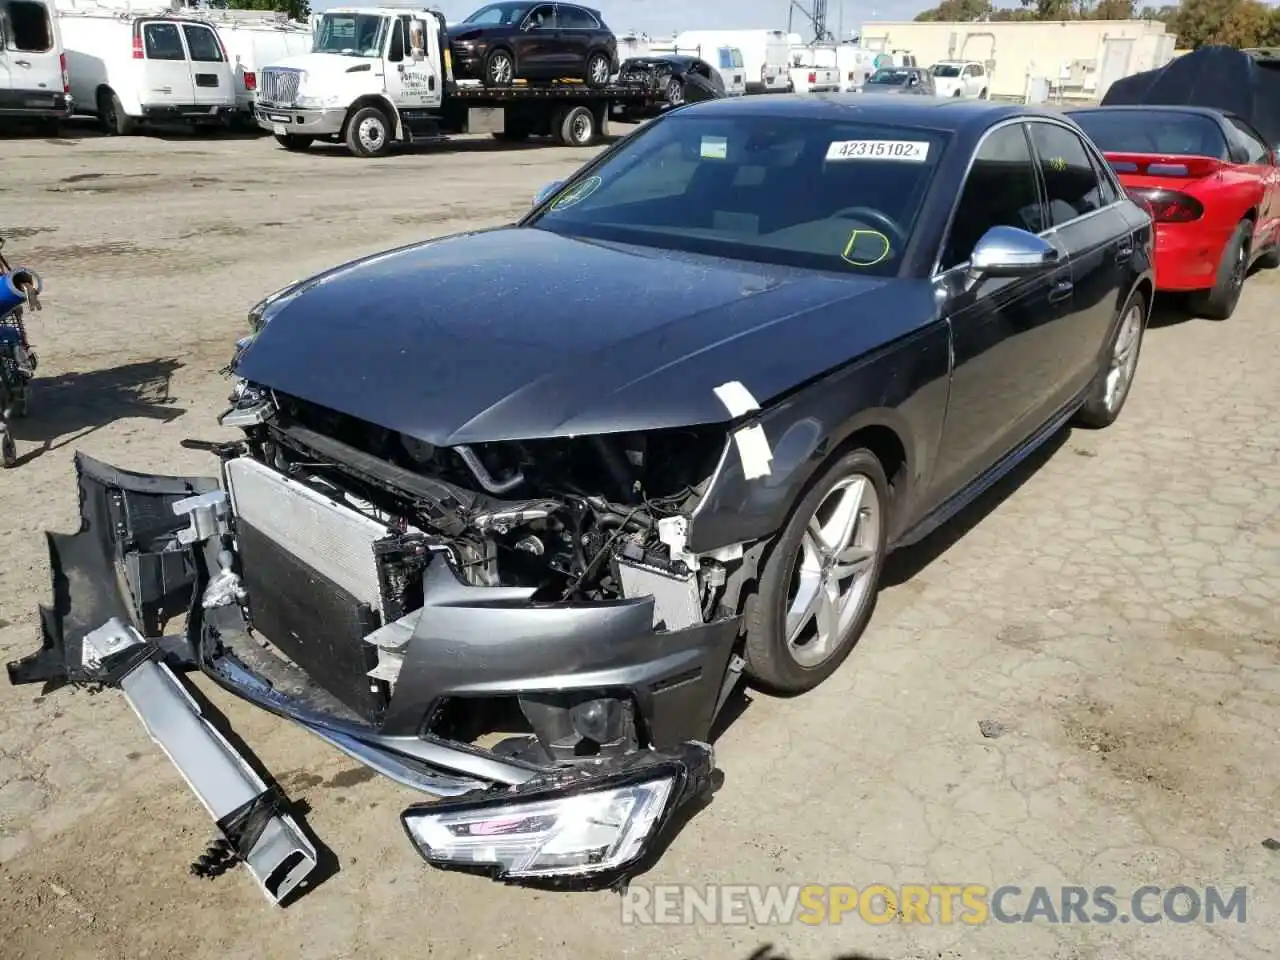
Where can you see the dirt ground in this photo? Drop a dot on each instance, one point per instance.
(1112, 610)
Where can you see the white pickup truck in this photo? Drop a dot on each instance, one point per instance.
(813, 79)
(378, 75)
(960, 78)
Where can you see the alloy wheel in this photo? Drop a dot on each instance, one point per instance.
(1124, 358)
(500, 69)
(372, 133)
(835, 570)
(600, 70)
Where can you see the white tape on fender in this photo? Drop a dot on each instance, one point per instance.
(736, 398)
(752, 444)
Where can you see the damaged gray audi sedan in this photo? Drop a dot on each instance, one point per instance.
(513, 511)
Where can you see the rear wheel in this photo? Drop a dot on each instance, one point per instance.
(983, 95)
(293, 142)
(111, 113)
(1111, 385)
(818, 587)
(675, 91)
(1219, 303)
(369, 133)
(599, 67)
(576, 127)
(499, 69)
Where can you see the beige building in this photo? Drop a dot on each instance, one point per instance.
(1072, 59)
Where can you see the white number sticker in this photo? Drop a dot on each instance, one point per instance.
(279, 129)
(913, 151)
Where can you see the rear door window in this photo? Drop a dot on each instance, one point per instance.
(1071, 185)
(575, 18)
(163, 42)
(202, 43)
(726, 58)
(29, 28)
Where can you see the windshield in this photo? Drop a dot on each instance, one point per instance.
(1153, 131)
(350, 34)
(811, 192)
(499, 14)
(892, 78)
(945, 70)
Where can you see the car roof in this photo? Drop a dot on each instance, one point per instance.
(1212, 113)
(937, 113)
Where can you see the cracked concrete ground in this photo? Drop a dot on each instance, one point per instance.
(1111, 613)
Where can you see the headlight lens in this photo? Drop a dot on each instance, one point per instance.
(602, 830)
(261, 311)
(581, 829)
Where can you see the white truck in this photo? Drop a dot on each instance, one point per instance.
(253, 39)
(397, 85)
(33, 67)
(763, 55)
(130, 65)
(813, 70)
(961, 78)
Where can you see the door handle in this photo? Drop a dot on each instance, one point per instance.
(23, 63)
(1124, 253)
(1061, 291)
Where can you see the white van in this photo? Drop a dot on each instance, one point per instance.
(129, 69)
(254, 39)
(764, 54)
(33, 69)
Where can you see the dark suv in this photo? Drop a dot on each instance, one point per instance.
(502, 42)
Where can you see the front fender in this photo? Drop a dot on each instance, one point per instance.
(903, 389)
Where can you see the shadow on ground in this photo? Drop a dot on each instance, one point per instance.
(766, 952)
(69, 406)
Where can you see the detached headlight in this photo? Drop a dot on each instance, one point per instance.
(590, 829)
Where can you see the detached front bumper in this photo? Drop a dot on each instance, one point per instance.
(151, 547)
(298, 121)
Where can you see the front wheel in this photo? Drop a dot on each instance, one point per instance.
(293, 142)
(499, 69)
(599, 69)
(1111, 384)
(675, 91)
(818, 587)
(8, 451)
(369, 133)
(984, 95)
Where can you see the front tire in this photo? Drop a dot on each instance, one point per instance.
(818, 587)
(369, 133)
(675, 92)
(499, 69)
(1219, 303)
(1114, 378)
(8, 451)
(599, 68)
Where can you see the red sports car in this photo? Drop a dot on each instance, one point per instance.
(1212, 186)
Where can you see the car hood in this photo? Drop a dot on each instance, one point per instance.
(322, 64)
(520, 333)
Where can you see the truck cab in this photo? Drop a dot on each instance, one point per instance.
(379, 75)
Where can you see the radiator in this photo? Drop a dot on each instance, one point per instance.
(333, 540)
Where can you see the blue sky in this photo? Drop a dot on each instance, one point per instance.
(664, 16)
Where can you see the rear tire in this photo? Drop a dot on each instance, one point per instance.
(781, 657)
(294, 143)
(115, 122)
(1219, 302)
(1114, 379)
(576, 127)
(984, 95)
(369, 133)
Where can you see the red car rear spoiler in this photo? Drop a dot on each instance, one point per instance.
(1164, 164)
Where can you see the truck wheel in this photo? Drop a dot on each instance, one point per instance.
(599, 68)
(294, 143)
(577, 127)
(369, 132)
(499, 69)
(115, 121)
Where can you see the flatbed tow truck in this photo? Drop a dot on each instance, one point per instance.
(382, 75)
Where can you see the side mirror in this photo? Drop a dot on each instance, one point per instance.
(1010, 252)
(541, 196)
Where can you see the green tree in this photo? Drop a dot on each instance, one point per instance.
(957, 10)
(296, 9)
(1115, 10)
(1238, 23)
(1052, 9)
(1007, 14)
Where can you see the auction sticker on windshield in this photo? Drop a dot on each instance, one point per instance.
(913, 151)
